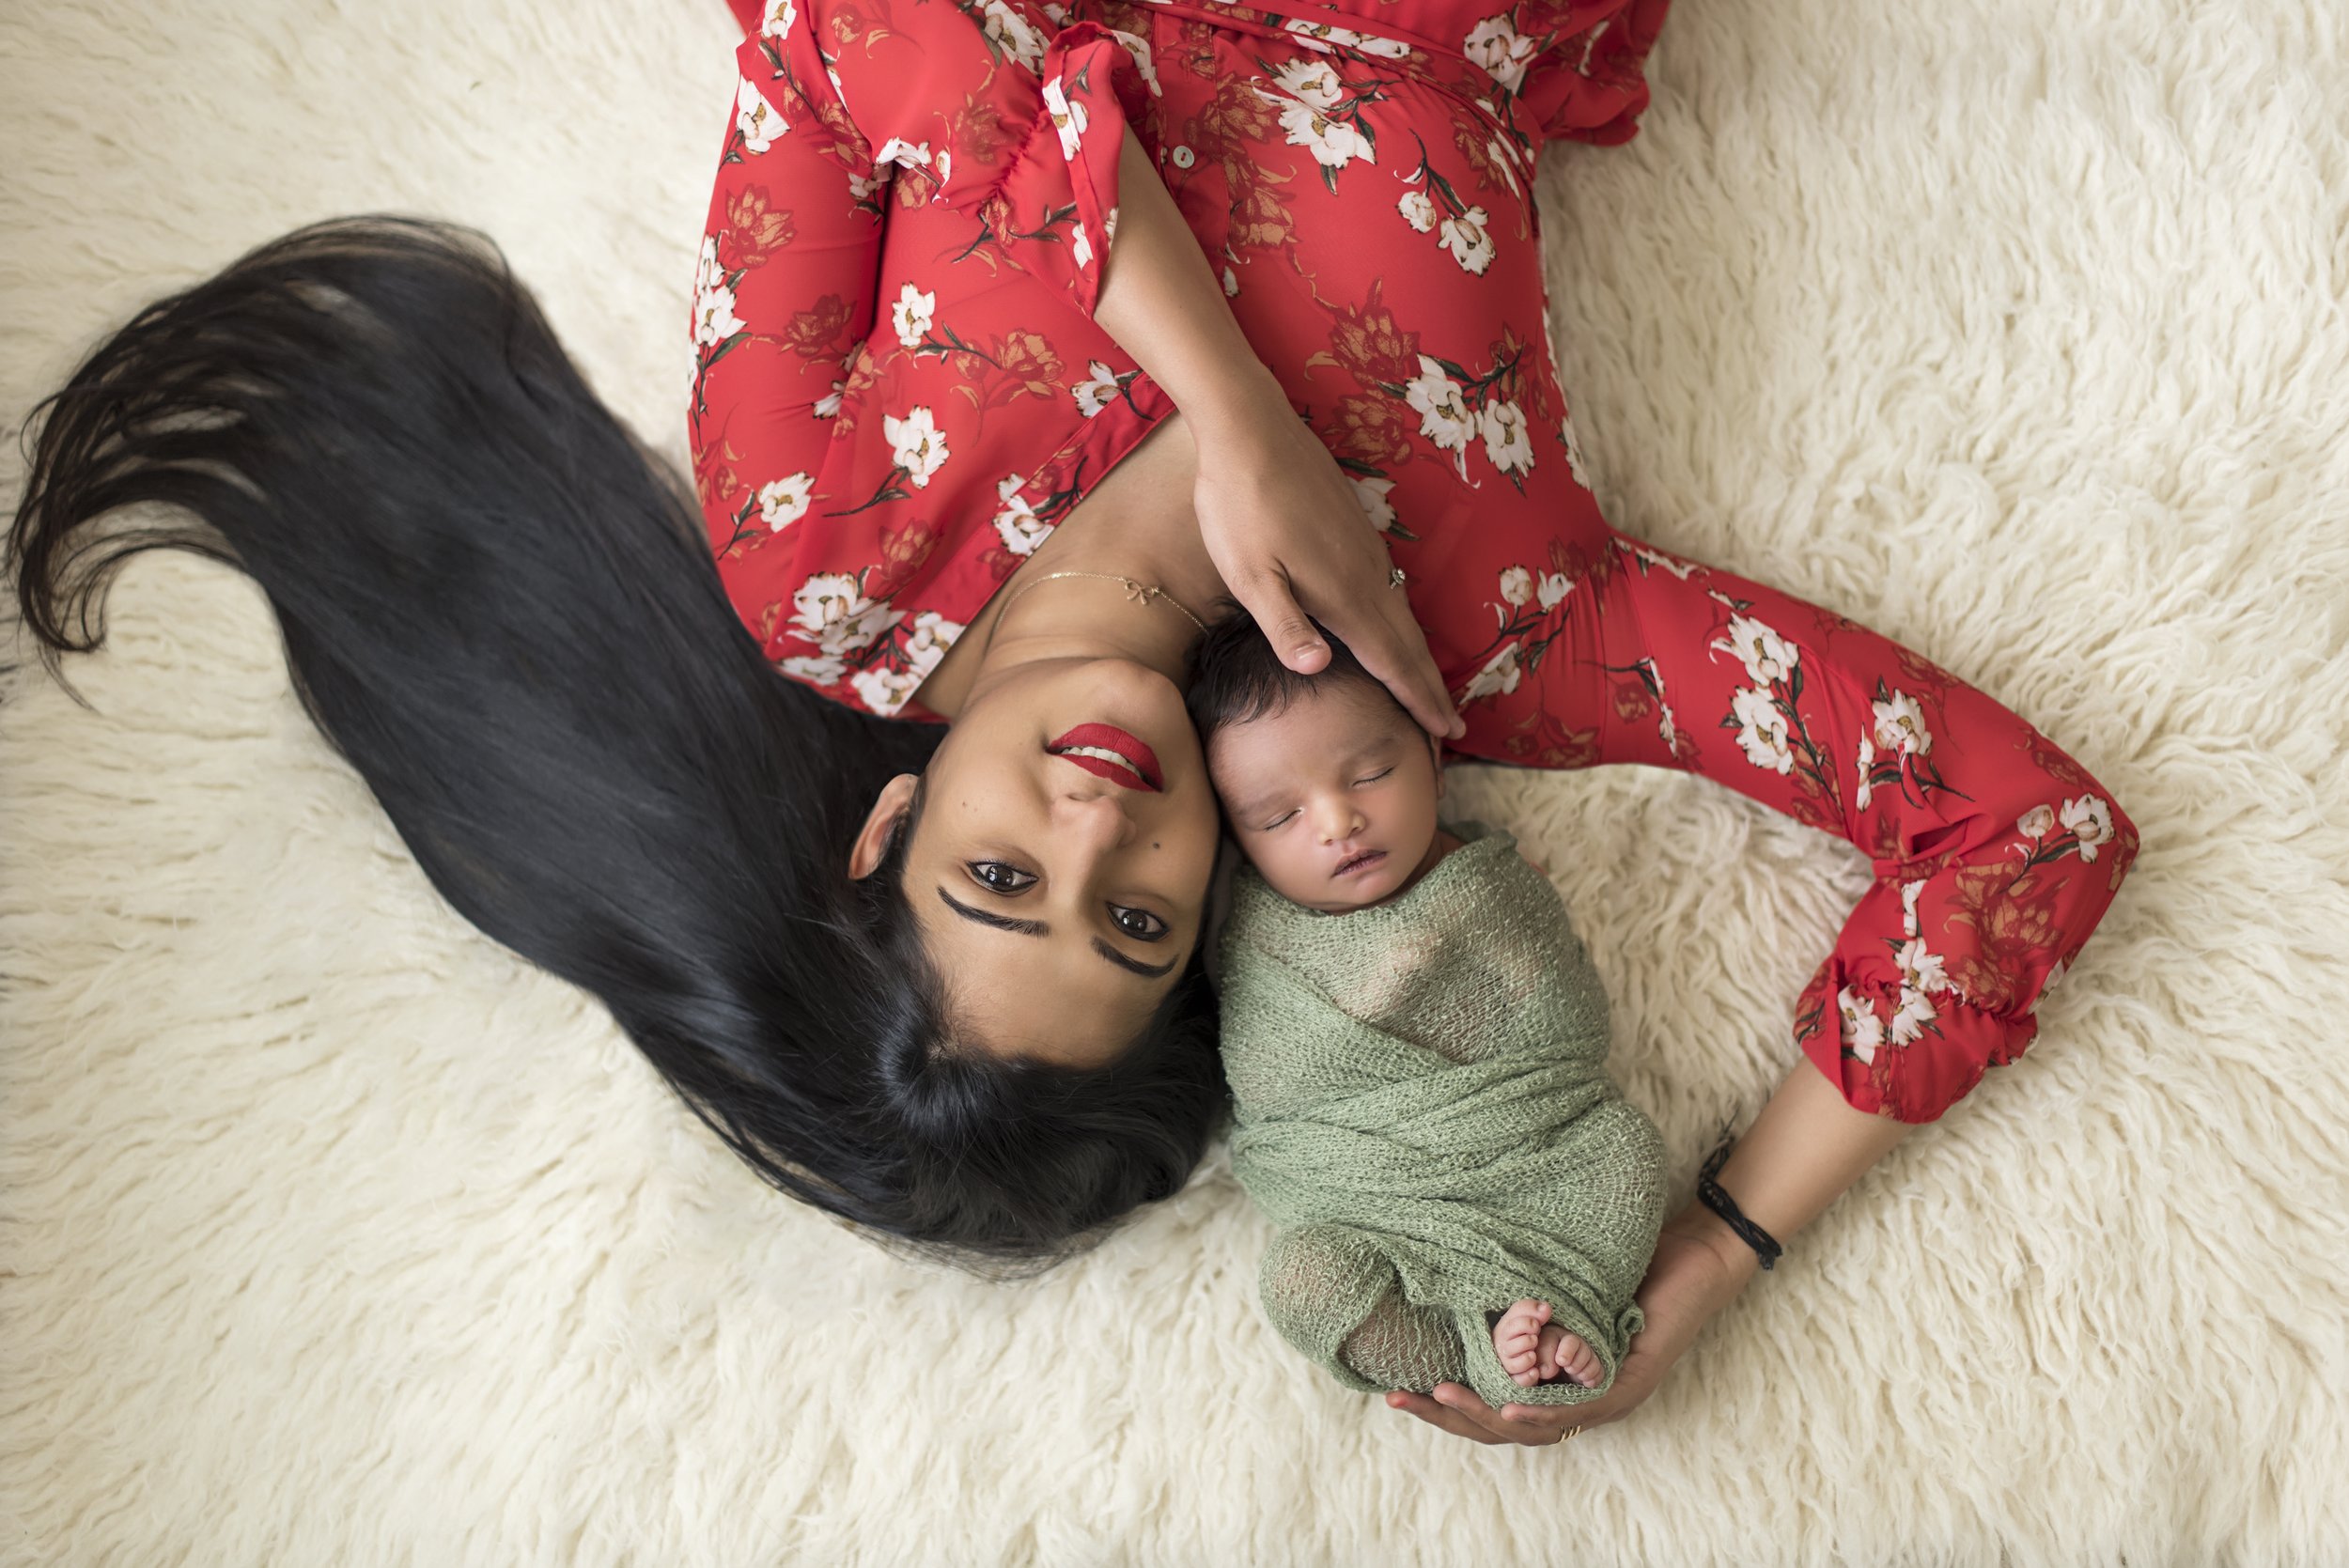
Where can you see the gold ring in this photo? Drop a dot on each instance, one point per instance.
(1395, 577)
(1575, 1431)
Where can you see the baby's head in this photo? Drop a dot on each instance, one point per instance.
(1329, 785)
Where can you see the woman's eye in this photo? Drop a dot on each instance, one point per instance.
(1140, 925)
(1374, 777)
(996, 876)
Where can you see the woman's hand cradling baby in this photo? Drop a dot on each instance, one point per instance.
(1534, 1350)
(1690, 1278)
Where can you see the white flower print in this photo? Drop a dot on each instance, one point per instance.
(1901, 725)
(884, 688)
(1372, 493)
(861, 188)
(1098, 393)
(1081, 247)
(1334, 143)
(1765, 655)
(781, 14)
(1504, 158)
(905, 154)
(1012, 33)
(1315, 82)
(1067, 118)
(1418, 209)
(1555, 585)
(784, 502)
(828, 405)
(1516, 585)
(1910, 1017)
(714, 321)
(1321, 32)
(1656, 558)
(1055, 13)
(1863, 1030)
(1909, 893)
(757, 119)
(2036, 822)
(1508, 439)
(1500, 674)
(1762, 730)
(945, 168)
(1921, 970)
(1867, 785)
(1444, 416)
(1231, 284)
(1017, 525)
(912, 313)
(1144, 62)
(820, 671)
(831, 613)
(1465, 238)
(1500, 50)
(1667, 731)
(1583, 476)
(2090, 820)
(916, 443)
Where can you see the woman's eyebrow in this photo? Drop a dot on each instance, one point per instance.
(1037, 928)
(1001, 922)
(1149, 971)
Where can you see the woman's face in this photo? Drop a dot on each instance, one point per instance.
(1059, 872)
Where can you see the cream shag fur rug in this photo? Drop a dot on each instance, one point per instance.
(334, 1235)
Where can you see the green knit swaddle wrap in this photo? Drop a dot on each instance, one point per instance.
(1423, 1107)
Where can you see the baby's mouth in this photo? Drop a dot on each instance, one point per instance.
(1357, 863)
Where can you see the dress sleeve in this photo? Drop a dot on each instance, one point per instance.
(1995, 853)
(903, 102)
(1589, 80)
(992, 110)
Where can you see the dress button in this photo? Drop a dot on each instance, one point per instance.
(1184, 157)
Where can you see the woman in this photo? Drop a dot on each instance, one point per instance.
(951, 456)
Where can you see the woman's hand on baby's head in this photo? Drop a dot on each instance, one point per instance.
(1518, 1341)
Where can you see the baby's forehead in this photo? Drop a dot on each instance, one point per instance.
(1298, 737)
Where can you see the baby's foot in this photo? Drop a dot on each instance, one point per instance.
(1563, 1355)
(1519, 1340)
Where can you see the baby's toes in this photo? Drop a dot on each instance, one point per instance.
(1580, 1362)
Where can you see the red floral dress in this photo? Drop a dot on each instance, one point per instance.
(899, 388)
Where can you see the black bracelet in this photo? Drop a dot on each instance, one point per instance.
(1709, 1193)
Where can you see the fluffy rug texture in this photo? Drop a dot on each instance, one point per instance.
(333, 1233)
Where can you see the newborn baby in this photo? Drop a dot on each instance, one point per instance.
(1415, 1045)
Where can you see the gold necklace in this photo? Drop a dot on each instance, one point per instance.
(1136, 593)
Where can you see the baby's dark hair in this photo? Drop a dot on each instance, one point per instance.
(1236, 678)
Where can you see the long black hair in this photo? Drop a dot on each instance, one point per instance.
(502, 610)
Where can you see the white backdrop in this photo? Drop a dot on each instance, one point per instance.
(332, 1235)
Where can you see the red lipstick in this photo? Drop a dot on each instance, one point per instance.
(1109, 751)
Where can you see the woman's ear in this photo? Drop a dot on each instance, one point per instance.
(872, 840)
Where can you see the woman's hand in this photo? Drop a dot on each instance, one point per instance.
(1290, 539)
(1691, 1278)
(1280, 521)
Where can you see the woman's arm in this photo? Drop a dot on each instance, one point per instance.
(1279, 519)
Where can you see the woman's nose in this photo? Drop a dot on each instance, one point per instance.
(1095, 819)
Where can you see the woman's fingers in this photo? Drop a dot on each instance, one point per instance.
(1393, 649)
(1539, 1424)
(1436, 1415)
(1285, 626)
